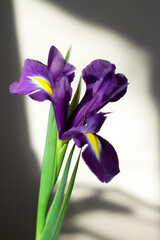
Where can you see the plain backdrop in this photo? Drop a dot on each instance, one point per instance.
(123, 32)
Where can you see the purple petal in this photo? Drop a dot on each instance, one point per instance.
(92, 124)
(80, 140)
(95, 70)
(102, 86)
(102, 162)
(56, 63)
(62, 92)
(113, 86)
(35, 81)
(121, 79)
(94, 121)
(69, 71)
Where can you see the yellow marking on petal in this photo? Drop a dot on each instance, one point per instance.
(44, 83)
(95, 143)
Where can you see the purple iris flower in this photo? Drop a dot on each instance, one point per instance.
(102, 86)
(53, 82)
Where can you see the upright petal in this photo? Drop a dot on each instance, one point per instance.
(110, 84)
(95, 70)
(35, 81)
(56, 63)
(101, 157)
(62, 92)
(102, 86)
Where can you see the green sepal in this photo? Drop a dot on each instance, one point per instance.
(56, 204)
(76, 98)
(65, 202)
(48, 172)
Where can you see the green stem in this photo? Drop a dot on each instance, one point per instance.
(56, 204)
(64, 206)
(48, 172)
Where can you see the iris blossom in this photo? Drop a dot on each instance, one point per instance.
(53, 82)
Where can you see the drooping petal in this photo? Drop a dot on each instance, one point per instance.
(92, 124)
(94, 121)
(102, 86)
(62, 92)
(34, 81)
(101, 157)
(56, 63)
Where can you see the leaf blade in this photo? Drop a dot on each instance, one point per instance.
(76, 98)
(65, 201)
(56, 204)
(68, 54)
(48, 172)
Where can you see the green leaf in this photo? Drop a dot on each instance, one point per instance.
(65, 202)
(48, 172)
(76, 98)
(62, 147)
(56, 204)
(68, 54)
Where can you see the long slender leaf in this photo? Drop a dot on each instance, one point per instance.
(59, 222)
(56, 205)
(68, 54)
(62, 147)
(76, 98)
(48, 172)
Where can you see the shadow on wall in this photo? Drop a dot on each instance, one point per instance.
(137, 20)
(19, 169)
(109, 215)
(96, 202)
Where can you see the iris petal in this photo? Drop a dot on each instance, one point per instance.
(102, 86)
(93, 123)
(106, 166)
(62, 92)
(95, 143)
(43, 83)
(35, 81)
(56, 63)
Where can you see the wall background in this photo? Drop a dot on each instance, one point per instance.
(127, 34)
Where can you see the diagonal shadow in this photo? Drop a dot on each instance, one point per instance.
(92, 204)
(98, 202)
(19, 169)
(137, 20)
(75, 230)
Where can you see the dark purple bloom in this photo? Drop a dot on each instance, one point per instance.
(102, 86)
(53, 82)
(99, 155)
